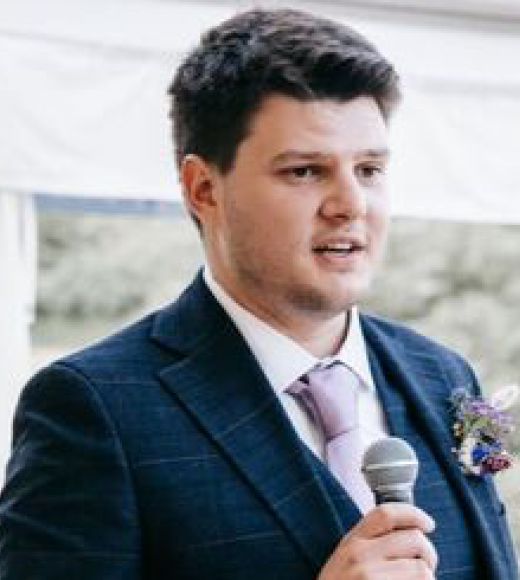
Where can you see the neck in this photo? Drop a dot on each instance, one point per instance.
(318, 335)
(321, 334)
(322, 338)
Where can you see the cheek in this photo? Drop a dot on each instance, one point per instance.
(382, 224)
(249, 231)
(379, 220)
(287, 226)
(380, 208)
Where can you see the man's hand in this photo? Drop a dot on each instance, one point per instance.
(389, 543)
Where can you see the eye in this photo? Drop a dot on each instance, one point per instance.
(371, 173)
(304, 173)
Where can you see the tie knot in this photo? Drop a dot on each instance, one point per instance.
(330, 395)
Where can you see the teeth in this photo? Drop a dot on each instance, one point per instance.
(338, 247)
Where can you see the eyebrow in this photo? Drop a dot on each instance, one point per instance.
(291, 155)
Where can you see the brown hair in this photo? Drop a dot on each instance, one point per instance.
(223, 81)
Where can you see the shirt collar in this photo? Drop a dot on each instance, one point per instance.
(282, 359)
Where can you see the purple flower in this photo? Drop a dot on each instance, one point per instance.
(479, 428)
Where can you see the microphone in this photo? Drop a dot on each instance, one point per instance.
(390, 467)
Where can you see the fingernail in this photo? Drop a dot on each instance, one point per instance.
(431, 524)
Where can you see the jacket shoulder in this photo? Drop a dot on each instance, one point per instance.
(409, 339)
(128, 354)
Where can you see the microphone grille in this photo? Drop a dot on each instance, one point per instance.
(390, 462)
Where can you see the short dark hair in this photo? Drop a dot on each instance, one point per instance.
(223, 81)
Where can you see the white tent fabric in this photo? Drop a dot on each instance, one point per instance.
(83, 108)
(455, 156)
(80, 120)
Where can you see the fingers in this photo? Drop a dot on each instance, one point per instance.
(399, 569)
(393, 532)
(409, 544)
(389, 542)
(413, 545)
(404, 569)
(394, 516)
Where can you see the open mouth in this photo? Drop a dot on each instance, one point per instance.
(339, 248)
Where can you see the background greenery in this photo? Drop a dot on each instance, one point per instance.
(458, 283)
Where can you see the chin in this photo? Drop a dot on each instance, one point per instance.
(327, 301)
(344, 303)
(348, 292)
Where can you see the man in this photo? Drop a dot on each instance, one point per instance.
(182, 447)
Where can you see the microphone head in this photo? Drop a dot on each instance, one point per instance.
(390, 467)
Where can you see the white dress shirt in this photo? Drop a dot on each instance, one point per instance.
(283, 361)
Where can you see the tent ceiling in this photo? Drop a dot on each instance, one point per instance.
(83, 102)
(463, 13)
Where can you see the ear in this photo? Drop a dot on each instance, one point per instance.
(199, 185)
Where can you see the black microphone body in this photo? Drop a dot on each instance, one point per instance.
(390, 467)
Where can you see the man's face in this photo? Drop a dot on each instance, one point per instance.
(296, 228)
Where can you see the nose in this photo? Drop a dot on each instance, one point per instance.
(346, 199)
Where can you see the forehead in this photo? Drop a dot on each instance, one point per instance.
(325, 126)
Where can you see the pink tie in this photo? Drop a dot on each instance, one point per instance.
(330, 394)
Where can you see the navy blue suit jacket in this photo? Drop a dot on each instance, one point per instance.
(162, 453)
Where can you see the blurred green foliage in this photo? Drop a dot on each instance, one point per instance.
(458, 283)
(94, 267)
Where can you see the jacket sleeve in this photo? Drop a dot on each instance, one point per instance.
(67, 509)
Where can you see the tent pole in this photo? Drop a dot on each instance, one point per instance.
(17, 300)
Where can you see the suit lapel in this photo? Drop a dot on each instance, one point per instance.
(220, 384)
(414, 386)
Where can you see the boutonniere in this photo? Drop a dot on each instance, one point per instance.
(480, 429)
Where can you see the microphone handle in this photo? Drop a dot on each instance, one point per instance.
(394, 496)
